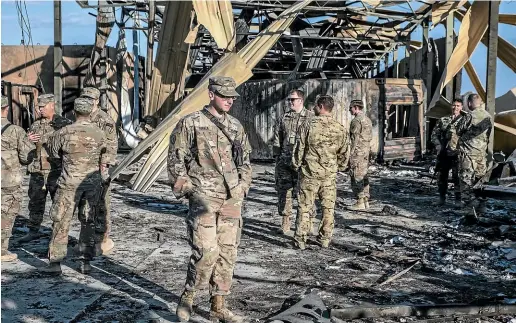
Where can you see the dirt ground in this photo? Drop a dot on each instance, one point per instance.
(142, 278)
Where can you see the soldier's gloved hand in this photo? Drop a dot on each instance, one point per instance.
(182, 187)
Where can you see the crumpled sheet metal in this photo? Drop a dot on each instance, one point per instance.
(472, 29)
(441, 10)
(311, 307)
(217, 17)
(239, 66)
(104, 25)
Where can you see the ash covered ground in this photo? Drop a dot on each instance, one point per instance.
(142, 278)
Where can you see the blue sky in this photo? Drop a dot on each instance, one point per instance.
(79, 28)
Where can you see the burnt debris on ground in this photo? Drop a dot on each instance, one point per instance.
(403, 251)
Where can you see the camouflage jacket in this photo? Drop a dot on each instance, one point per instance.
(200, 158)
(45, 128)
(441, 134)
(321, 149)
(286, 132)
(471, 134)
(361, 134)
(82, 148)
(108, 126)
(17, 150)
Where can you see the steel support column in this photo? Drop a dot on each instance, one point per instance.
(58, 58)
(395, 63)
(492, 52)
(449, 50)
(149, 60)
(386, 63)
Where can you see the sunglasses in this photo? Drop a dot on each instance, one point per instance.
(292, 99)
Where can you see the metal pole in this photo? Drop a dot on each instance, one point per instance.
(386, 63)
(136, 64)
(427, 76)
(150, 56)
(449, 50)
(395, 63)
(58, 58)
(492, 52)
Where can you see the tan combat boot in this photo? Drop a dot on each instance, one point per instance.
(107, 245)
(366, 202)
(220, 313)
(285, 224)
(185, 307)
(324, 243)
(359, 205)
(9, 256)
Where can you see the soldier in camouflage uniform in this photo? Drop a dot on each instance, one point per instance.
(44, 171)
(320, 152)
(202, 168)
(108, 126)
(17, 150)
(361, 134)
(82, 148)
(471, 136)
(447, 159)
(285, 134)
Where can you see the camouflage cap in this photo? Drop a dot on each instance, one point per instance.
(223, 85)
(45, 99)
(5, 101)
(83, 106)
(90, 92)
(357, 103)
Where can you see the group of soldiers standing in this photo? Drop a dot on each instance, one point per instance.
(208, 163)
(68, 161)
(462, 140)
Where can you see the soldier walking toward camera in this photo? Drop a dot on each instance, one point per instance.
(107, 125)
(320, 152)
(360, 134)
(471, 136)
(17, 150)
(44, 170)
(81, 147)
(285, 134)
(208, 162)
(447, 158)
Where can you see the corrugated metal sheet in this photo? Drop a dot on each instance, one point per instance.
(262, 103)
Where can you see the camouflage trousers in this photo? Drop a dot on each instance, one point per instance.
(359, 179)
(68, 198)
(286, 185)
(448, 163)
(310, 189)
(11, 200)
(471, 169)
(40, 184)
(214, 230)
(103, 220)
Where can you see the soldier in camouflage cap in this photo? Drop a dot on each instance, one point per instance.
(471, 137)
(82, 147)
(286, 132)
(90, 92)
(360, 134)
(44, 170)
(202, 168)
(223, 86)
(108, 126)
(83, 106)
(319, 153)
(17, 150)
